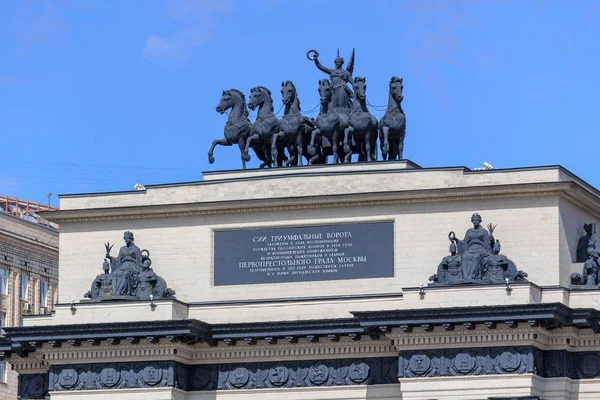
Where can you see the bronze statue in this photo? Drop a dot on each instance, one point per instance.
(342, 128)
(495, 266)
(476, 245)
(265, 127)
(392, 127)
(582, 245)
(294, 128)
(342, 95)
(330, 125)
(450, 269)
(125, 267)
(238, 127)
(476, 259)
(129, 276)
(362, 126)
(590, 276)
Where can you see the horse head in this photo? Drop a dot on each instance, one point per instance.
(259, 96)
(229, 99)
(288, 93)
(396, 88)
(360, 88)
(325, 91)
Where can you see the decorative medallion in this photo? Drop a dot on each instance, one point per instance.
(464, 363)
(68, 378)
(510, 361)
(151, 375)
(318, 374)
(239, 377)
(109, 377)
(278, 376)
(200, 378)
(359, 372)
(590, 365)
(419, 364)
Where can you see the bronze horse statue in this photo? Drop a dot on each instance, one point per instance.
(330, 125)
(392, 127)
(238, 127)
(265, 126)
(294, 128)
(362, 126)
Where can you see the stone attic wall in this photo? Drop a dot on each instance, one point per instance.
(181, 248)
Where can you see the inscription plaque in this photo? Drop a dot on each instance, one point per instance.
(302, 254)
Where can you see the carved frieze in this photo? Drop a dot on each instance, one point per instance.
(461, 362)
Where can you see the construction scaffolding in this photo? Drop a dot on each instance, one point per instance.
(27, 210)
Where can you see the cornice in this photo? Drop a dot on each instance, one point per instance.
(367, 326)
(494, 192)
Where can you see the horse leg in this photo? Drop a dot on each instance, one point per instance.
(334, 147)
(349, 130)
(401, 146)
(385, 146)
(299, 145)
(311, 146)
(241, 144)
(368, 145)
(222, 142)
(274, 151)
(246, 155)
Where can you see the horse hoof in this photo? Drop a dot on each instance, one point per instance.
(311, 150)
(211, 159)
(246, 157)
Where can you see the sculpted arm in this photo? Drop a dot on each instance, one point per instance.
(321, 67)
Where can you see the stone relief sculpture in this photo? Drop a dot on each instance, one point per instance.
(128, 276)
(590, 276)
(476, 259)
(343, 127)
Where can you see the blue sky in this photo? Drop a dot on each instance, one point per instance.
(97, 96)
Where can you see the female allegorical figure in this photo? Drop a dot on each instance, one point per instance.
(125, 267)
(474, 249)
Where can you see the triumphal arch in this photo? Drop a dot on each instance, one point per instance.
(340, 270)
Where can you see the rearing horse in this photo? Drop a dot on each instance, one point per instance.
(392, 127)
(362, 126)
(330, 123)
(265, 125)
(238, 126)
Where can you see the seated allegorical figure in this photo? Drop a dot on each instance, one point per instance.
(102, 285)
(474, 248)
(146, 280)
(450, 269)
(495, 267)
(125, 267)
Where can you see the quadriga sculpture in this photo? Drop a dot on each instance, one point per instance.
(392, 127)
(361, 134)
(238, 127)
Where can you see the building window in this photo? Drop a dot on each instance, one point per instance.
(3, 377)
(24, 286)
(43, 293)
(2, 322)
(3, 281)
